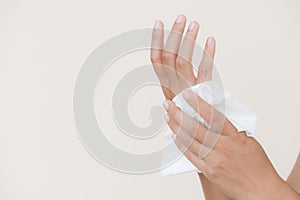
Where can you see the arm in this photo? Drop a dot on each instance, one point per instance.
(294, 178)
(211, 192)
(235, 163)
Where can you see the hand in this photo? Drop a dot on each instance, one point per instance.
(172, 61)
(173, 67)
(234, 162)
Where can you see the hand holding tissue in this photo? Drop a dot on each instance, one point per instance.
(240, 116)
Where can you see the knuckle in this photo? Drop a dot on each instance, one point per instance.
(217, 118)
(188, 155)
(186, 141)
(216, 166)
(203, 71)
(194, 158)
(219, 164)
(168, 56)
(204, 152)
(155, 58)
(242, 137)
(199, 132)
(196, 132)
(211, 173)
(182, 148)
(204, 171)
(180, 62)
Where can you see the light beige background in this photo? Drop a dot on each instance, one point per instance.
(44, 43)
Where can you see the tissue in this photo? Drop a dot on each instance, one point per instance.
(240, 116)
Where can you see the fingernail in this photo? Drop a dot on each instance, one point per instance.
(210, 41)
(187, 94)
(167, 117)
(174, 137)
(179, 19)
(157, 24)
(166, 105)
(192, 26)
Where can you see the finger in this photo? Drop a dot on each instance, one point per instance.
(201, 164)
(206, 65)
(184, 65)
(174, 40)
(177, 119)
(191, 144)
(170, 51)
(217, 121)
(157, 45)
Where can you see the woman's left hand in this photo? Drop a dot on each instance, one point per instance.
(236, 163)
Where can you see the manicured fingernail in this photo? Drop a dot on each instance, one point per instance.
(157, 24)
(192, 26)
(166, 105)
(174, 137)
(167, 117)
(210, 41)
(179, 19)
(187, 94)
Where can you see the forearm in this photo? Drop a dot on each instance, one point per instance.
(287, 192)
(294, 178)
(275, 190)
(211, 192)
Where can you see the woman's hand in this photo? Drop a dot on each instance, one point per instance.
(234, 162)
(172, 61)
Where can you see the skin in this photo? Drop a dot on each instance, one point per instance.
(226, 172)
(236, 164)
(294, 178)
(174, 70)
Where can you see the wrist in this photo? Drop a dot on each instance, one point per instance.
(281, 191)
(287, 192)
(272, 188)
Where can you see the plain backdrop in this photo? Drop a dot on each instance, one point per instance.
(43, 45)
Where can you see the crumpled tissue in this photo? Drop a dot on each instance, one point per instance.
(240, 116)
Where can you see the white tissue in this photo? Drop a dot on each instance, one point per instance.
(240, 116)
